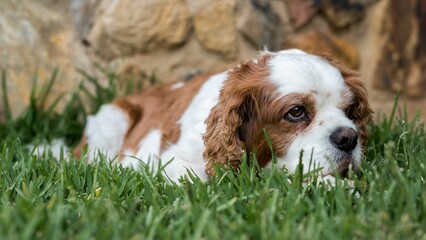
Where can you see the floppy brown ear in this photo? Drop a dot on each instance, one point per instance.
(237, 107)
(360, 111)
(222, 142)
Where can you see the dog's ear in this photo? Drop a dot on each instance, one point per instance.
(230, 123)
(223, 144)
(359, 111)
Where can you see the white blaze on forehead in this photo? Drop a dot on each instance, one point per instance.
(295, 71)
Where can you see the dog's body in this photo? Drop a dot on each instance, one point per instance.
(303, 102)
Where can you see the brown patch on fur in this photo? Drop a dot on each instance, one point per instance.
(162, 108)
(158, 107)
(347, 98)
(358, 109)
(134, 113)
(79, 148)
(248, 104)
(281, 131)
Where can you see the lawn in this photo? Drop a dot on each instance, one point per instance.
(42, 198)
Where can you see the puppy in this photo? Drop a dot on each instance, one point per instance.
(305, 103)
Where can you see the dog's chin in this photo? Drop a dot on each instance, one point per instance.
(341, 165)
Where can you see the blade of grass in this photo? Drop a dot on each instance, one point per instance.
(7, 111)
(46, 89)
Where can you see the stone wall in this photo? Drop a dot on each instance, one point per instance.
(35, 38)
(178, 38)
(175, 38)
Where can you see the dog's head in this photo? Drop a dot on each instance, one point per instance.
(305, 103)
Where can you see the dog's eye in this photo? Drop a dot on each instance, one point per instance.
(296, 114)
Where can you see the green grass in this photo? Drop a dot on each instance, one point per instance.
(46, 199)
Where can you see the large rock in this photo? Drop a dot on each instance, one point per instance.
(400, 63)
(84, 14)
(215, 28)
(34, 40)
(260, 24)
(340, 13)
(421, 57)
(343, 12)
(301, 12)
(325, 42)
(127, 27)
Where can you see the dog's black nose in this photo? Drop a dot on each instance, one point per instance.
(344, 138)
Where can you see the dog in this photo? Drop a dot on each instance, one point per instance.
(312, 108)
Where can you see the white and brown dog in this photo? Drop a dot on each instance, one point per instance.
(304, 102)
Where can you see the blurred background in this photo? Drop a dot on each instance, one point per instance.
(175, 39)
